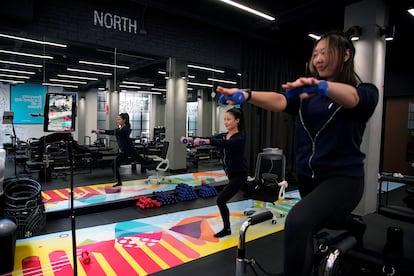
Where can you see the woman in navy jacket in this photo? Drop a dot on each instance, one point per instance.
(125, 143)
(332, 109)
(232, 147)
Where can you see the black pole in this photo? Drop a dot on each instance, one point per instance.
(14, 144)
(72, 209)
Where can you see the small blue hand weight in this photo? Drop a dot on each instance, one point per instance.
(320, 89)
(237, 97)
(185, 141)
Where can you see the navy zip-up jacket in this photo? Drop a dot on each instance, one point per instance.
(232, 150)
(328, 136)
(125, 143)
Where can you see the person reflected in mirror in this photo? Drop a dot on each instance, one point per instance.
(332, 109)
(126, 146)
(232, 147)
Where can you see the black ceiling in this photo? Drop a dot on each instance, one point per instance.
(294, 20)
(293, 17)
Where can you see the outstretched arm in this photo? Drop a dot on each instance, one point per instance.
(98, 131)
(265, 99)
(343, 94)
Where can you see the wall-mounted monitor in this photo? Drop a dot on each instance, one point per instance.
(60, 112)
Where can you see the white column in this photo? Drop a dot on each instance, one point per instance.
(370, 15)
(112, 101)
(175, 113)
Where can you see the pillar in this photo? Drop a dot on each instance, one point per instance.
(370, 15)
(112, 106)
(204, 113)
(80, 118)
(175, 113)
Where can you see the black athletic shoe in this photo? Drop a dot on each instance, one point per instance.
(117, 184)
(223, 233)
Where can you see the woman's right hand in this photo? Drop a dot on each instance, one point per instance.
(226, 91)
(186, 140)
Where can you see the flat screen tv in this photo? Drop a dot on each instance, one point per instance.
(60, 112)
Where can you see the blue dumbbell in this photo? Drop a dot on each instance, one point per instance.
(320, 89)
(185, 141)
(237, 98)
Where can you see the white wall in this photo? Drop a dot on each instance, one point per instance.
(91, 110)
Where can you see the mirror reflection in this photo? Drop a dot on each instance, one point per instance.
(105, 82)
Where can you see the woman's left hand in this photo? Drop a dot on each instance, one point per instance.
(299, 83)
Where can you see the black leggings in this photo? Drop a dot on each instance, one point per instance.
(123, 157)
(323, 203)
(235, 184)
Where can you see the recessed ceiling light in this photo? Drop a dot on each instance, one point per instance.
(248, 9)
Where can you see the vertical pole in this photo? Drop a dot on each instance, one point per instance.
(72, 209)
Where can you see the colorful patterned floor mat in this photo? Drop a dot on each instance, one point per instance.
(141, 246)
(57, 200)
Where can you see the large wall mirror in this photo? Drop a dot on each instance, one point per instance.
(31, 66)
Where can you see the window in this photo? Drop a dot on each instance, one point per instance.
(192, 116)
(101, 109)
(137, 105)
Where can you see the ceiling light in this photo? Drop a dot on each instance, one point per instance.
(314, 36)
(158, 89)
(162, 72)
(17, 71)
(199, 84)
(33, 40)
(59, 85)
(76, 77)
(205, 68)
(103, 64)
(11, 81)
(21, 64)
(143, 92)
(411, 11)
(149, 92)
(245, 8)
(25, 54)
(138, 83)
(389, 33)
(222, 81)
(89, 71)
(355, 32)
(68, 81)
(129, 86)
(14, 76)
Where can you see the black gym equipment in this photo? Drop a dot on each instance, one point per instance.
(345, 252)
(241, 261)
(268, 183)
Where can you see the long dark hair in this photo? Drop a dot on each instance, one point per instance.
(238, 114)
(125, 117)
(338, 41)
